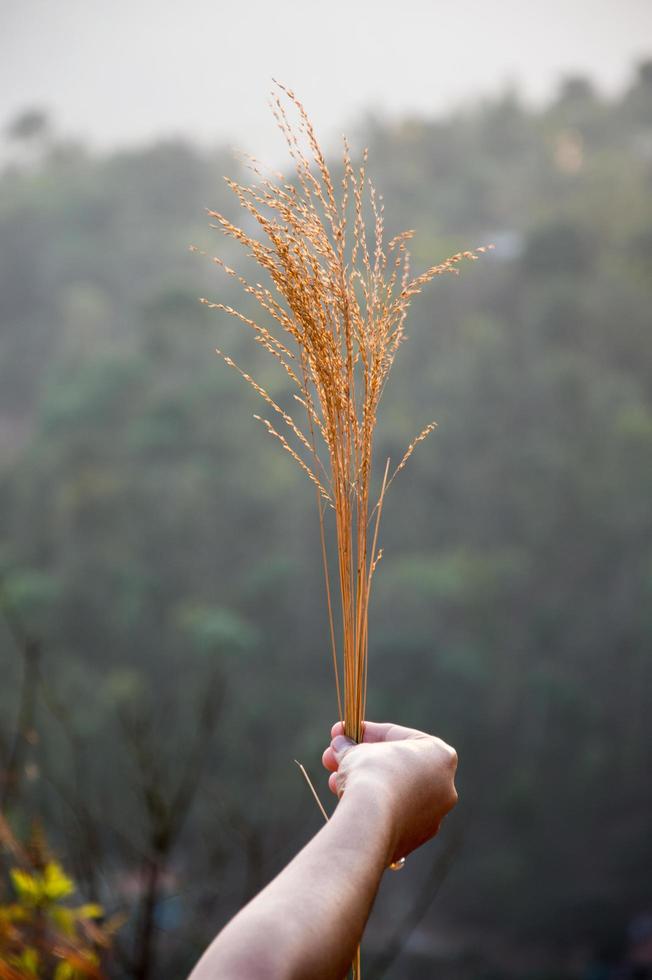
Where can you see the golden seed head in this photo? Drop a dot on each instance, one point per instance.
(335, 302)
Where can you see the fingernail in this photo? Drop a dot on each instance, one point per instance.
(341, 744)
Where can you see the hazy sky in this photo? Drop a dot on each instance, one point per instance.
(124, 71)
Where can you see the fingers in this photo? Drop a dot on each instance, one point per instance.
(328, 760)
(373, 732)
(332, 756)
(376, 731)
(340, 744)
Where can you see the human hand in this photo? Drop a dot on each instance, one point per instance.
(411, 772)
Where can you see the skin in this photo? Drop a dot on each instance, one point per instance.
(394, 789)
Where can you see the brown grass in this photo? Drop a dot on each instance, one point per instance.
(338, 314)
(335, 316)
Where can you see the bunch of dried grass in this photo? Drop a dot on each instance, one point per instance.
(334, 320)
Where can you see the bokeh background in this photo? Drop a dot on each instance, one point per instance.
(163, 639)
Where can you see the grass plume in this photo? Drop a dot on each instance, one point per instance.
(333, 317)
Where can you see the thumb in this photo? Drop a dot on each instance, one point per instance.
(341, 745)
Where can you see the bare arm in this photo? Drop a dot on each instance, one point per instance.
(395, 787)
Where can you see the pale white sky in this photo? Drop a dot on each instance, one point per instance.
(125, 71)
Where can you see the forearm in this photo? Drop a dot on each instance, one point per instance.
(308, 922)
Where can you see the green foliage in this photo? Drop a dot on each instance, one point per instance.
(215, 630)
(34, 594)
(41, 935)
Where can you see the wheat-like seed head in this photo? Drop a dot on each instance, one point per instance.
(336, 309)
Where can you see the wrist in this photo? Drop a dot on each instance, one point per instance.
(373, 804)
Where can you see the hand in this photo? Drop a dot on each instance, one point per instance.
(412, 772)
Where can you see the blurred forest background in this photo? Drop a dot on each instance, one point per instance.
(163, 635)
